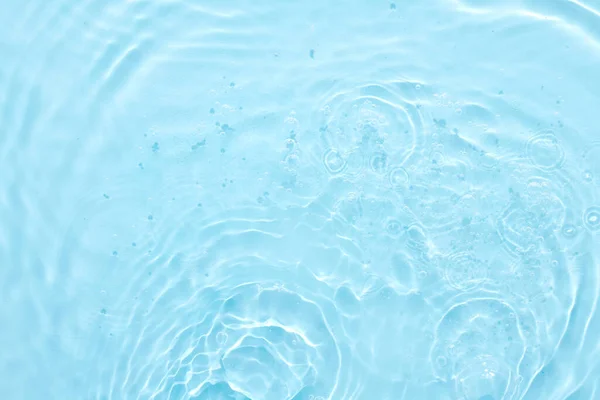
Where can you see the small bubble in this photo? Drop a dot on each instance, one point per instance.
(334, 162)
(398, 177)
(393, 227)
(290, 143)
(587, 175)
(591, 219)
(292, 160)
(422, 274)
(569, 231)
(221, 338)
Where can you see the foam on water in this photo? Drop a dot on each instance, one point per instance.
(258, 200)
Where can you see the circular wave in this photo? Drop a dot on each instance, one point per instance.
(413, 240)
(221, 318)
(531, 216)
(544, 151)
(463, 271)
(591, 219)
(480, 345)
(372, 122)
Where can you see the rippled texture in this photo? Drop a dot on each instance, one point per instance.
(296, 200)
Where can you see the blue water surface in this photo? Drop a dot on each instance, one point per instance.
(299, 200)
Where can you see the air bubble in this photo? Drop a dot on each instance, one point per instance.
(569, 231)
(591, 219)
(221, 338)
(398, 178)
(393, 227)
(334, 162)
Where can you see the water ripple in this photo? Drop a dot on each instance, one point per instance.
(299, 201)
